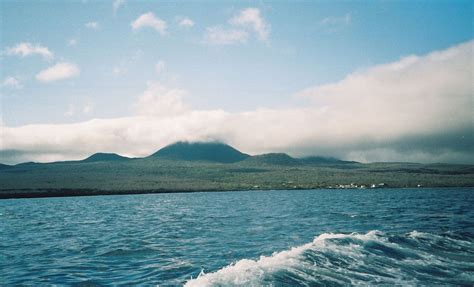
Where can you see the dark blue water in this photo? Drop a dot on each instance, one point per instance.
(279, 238)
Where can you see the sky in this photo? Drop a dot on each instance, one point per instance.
(361, 80)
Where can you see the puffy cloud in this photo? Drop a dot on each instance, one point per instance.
(149, 20)
(416, 109)
(252, 19)
(92, 25)
(159, 101)
(242, 26)
(220, 36)
(11, 82)
(57, 72)
(25, 49)
(186, 22)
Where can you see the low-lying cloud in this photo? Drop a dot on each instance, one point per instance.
(416, 109)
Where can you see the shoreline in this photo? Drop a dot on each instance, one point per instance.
(40, 193)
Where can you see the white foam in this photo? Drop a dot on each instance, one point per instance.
(418, 234)
(329, 260)
(248, 272)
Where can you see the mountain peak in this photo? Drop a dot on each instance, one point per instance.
(201, 151)
(100, 156)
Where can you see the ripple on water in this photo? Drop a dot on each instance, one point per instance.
(305, 237)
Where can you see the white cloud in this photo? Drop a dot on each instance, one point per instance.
(415, 109)
(247, 22)
(149, 20)
(252, 19)
(412, 96)
(92, 25)
(25, 49)
(220, 36)
(186, 22)
(159, 67)
(159, 101)
(57, 72)
(11, 82)
(117, 4)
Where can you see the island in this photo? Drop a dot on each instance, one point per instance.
(215, 166)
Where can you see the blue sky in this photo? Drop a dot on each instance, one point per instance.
(309, 43)
(230, 56)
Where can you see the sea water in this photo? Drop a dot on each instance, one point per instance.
(247, 238)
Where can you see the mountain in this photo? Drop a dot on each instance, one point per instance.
(104, 173)
(104, 157)
(320, 160)
(28, 163)
(201, 151)
(273, 159)
(4, 166)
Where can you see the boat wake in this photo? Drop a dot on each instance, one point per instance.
(357, 259)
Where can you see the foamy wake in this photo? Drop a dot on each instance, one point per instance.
(355, 259)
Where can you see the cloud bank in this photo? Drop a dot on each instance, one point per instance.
(416, 109)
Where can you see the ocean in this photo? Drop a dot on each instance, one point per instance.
(327, 237)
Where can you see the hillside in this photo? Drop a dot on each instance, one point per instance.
(281, 159)
(4, 166)
(105, 157)
(201, 151)
(216, 167)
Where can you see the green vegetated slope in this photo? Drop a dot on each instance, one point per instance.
(104, 157)
(212, 152)
(192, 167)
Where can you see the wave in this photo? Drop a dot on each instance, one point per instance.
(415, 258)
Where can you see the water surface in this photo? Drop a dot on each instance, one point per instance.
(284, 238)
